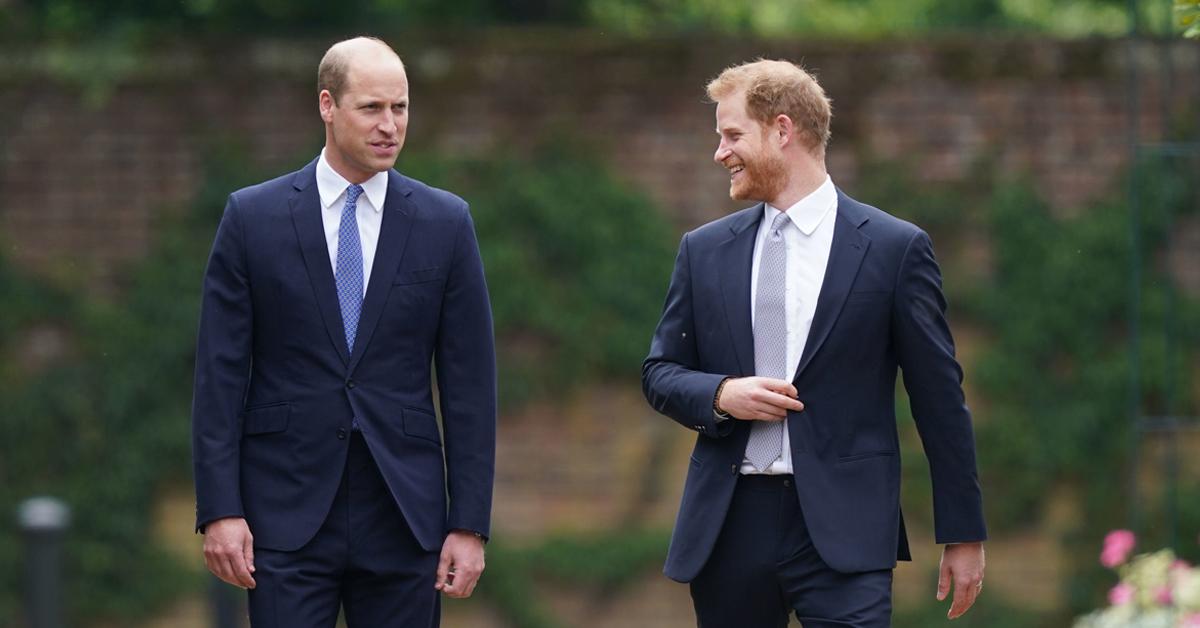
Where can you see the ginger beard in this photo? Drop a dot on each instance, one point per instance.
(763, 173)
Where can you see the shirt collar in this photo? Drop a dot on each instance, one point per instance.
(331, 186)
(809, 212)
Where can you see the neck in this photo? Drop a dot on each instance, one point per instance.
(802, 181)
(353, 175)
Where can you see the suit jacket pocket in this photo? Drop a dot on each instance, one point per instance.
(417, 276)
(864, 456)
(421, 424)
(868, 297)
(266, 419)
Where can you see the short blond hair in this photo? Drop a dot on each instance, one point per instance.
(774, 87)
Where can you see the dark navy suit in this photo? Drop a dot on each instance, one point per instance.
(880, 308)
(276, 388)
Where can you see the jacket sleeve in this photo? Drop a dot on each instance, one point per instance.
(223, 348)
(672, 379)
(465, 358)
(933, 379)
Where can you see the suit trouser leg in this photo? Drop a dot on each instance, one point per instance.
(364, 557)
(764, 566)
(389, 577)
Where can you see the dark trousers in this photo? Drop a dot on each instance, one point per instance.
(364, 558)
(764, 566)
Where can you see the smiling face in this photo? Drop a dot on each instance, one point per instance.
(366, 124)
(757, 167)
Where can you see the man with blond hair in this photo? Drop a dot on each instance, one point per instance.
(783, 329)
(323, 481)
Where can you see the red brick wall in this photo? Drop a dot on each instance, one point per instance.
(85, 176)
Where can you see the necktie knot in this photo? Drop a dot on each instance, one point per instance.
(777, 225)
(352, 193)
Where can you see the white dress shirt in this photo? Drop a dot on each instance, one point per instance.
(809, 238)
(331, 186)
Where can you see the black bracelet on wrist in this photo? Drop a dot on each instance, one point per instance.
(717, 397)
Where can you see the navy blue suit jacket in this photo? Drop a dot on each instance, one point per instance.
(276, 387)
(880, 307)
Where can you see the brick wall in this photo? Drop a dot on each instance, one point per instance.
(86, 171)
(84, 176)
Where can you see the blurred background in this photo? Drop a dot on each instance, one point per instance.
(1049, 147)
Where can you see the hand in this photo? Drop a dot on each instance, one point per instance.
(962, 563)
(460, 565)
(229, 551)
(758, 399)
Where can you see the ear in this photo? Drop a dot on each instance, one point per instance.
(326, 104)
(784, 130)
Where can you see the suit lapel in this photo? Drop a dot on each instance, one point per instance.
(736, 258)
(310, 231)
(845, 256)
(393, 238)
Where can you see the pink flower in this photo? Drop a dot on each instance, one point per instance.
(1117, 546)
(1191, 621)
(1163, 596)
(1121, 594)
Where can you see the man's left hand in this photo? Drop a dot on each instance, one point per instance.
(460, 565)
(962, 564)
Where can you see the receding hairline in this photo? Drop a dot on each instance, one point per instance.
(334, 69)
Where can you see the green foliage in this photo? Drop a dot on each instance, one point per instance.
(605, 563)
(577, 265)
(1188, 14)
(1053, 307)
(76, 19)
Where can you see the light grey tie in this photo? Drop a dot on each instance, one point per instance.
(770, 339)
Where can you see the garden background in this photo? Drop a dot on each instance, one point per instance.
(1043, 144)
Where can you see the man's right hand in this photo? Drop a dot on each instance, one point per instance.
(758, 399)
(229, 551)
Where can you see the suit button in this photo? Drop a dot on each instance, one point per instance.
(350, 384)
(733, 469)
(341, 433)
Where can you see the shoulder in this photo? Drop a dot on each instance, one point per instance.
(722, 229)
(267, 192)
(882, 227)
(445, 203)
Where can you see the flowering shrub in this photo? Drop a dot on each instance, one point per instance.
(1157, 590)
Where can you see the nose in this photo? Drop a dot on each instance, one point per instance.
(388, 124)
(722, 152)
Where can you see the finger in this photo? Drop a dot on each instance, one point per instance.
(227, 572)
(964, 598)
(780, 386)
(783, 402)
(943, 581)
(770, 405)
(240, 571)
(248, 553)
(960, 603)
(211, 564)
(766, 412)
(443, 572)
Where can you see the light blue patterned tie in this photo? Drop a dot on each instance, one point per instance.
(349, 273)
(770, 338)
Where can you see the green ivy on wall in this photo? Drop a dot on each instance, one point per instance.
(576, 266)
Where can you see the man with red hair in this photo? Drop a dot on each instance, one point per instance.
(783, 329)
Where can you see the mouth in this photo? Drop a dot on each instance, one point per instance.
(384, 148)
(734, 171)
